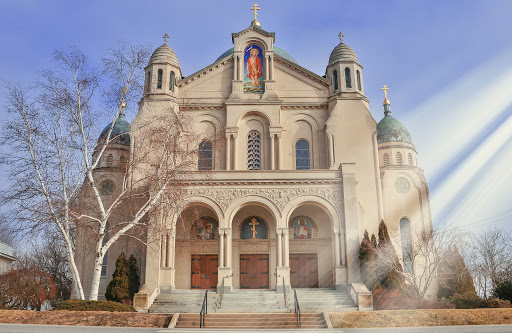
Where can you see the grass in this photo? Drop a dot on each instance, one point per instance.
(417, 318)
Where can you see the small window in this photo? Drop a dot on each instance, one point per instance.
(110, 160)
(409, 159)
(254, 150)
(405, 236)
(107, 188)
(398, 158)
(335, 77)
(302, 160)
(348, 80)
(160, 77)
(171, 82)
(205, 156)
(358, 76)
(122, 160)
(386, 159)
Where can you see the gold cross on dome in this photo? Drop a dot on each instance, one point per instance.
(341, 35)
(255, 8)
(385, 88)
(253, 223)
(165, 38)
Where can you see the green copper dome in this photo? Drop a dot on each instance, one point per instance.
(280, 52)
(391, 129)
(120, 133)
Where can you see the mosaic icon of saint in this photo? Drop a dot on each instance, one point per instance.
(254, 71)
(302, 231)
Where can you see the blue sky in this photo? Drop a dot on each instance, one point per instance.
(447, 64)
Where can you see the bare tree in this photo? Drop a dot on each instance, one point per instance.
(488, 258)
(421, 258)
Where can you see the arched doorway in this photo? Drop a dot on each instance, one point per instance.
(197, 243)
(311, 251)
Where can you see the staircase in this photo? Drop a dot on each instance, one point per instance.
(254, 300)
(183, 301)
(324, 299)
(253, 321)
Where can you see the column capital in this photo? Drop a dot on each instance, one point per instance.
(224, 230)
(282, 230)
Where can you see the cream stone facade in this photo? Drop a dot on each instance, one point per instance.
(302, 172)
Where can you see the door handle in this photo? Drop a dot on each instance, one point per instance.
(203, 277)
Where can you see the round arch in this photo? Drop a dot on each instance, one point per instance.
(207, 202)
(241, 202)
(310, 199)
(256, 113)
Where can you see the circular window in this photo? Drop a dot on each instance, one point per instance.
(402, 185)
(107, 188)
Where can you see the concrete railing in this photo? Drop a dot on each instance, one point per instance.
(361, 296)
(143, 300)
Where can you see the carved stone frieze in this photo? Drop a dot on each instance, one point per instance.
(280, 196)
(303, 246)
(253, 246)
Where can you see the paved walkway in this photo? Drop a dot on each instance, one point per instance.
(17, 328)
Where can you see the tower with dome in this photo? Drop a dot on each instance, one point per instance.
(302, 170)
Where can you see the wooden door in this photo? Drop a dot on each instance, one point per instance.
(304, 270)
(254, 271)
(204, 271)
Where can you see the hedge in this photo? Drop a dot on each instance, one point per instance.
(75, 305)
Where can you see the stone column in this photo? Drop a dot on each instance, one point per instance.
(267, 71)
(283, 265)
(235, 71)
(272, 152)
(225, 271)
(343, 249)
(278, 167)
(235, 149)
(336, 247)
(221, 248)
(228, 151)
(330, 147)
(279, 249)
(271, 68)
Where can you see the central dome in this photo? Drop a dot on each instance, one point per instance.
(280, 52)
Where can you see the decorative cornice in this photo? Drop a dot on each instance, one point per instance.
(303, 106)
(197, 107)
(255, 28)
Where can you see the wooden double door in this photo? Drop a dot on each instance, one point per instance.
(254, 271)
(304, 270)
(204, 271)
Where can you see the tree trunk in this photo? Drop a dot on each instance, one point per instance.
(77, 283)
(95, 285)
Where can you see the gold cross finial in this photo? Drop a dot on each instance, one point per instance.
(165, 38)
(341, 35)
(255, 8)
(386, 100)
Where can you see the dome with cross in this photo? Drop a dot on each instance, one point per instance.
(342, 52)
(165, 54)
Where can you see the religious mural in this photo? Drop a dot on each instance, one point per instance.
(254, 228)
(204, 228)
(302, 227)
(253, 69)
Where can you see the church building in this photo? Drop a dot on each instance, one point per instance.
(302, 170)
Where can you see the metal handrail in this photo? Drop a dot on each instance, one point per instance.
(286, 305)
(204, 310)
(297, 309)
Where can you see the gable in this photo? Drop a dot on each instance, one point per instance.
(295, 81)
(213, 81)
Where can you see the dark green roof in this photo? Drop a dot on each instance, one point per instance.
(120, 132)
(391, 129)
(278, 51)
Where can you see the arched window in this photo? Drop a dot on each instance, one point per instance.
(398, 158)
(122, 160)
(405, 236)
(409, 159)
(160, 77)
(358, 77)
(254, 150)
(148, 82)
(302, 160)
(386, 159)
(348, 80)
(205, 156)
(171, 82)
(335, 77)
(110, 160)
